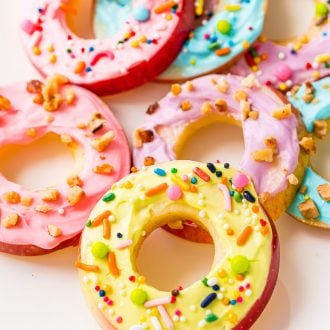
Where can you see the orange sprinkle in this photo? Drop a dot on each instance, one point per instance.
(239, 189)
(264, 231)
(106, 228)
(112, 264)
(224, 180)
(240, 277)
(87, 268)
(193, 189)
(134, 169)
(164, 7)
(223, 51)
(80, 67)
(156, 190)
(99, 219)
(244, 236)
(255, 208)
(230, 232)
(226, 301)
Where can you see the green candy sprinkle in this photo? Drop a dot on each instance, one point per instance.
(213, 45)
(211, 318)
(240, 264)
(109, 197)
(138, 296)
(204, 281)
(174, 170)
(100, 250)
(321, 9)
(224, 26)
(237, 196)
(88, 223)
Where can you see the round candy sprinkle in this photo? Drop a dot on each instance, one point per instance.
(224, 26)
(100, 250)
(174, 192)
(226, 165)
(141, 13)
(240, 180)
(321, 9)
(240, 264)
(138, 296)
(283, 72)
(237, 196)
(218, 174)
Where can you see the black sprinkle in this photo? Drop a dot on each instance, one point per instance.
(249, 197)
(211, 167)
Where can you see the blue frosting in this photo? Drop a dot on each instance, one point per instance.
(311, 112)
(198, 58)
(110, 16)
(314, 111)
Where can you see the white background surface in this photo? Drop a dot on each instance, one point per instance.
(43, 292)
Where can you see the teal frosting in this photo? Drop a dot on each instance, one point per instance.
(110, 16)
(247, 24)
(314, 111)
(312, 181)
(311, 112)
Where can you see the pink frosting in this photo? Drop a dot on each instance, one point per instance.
(168, 122)
(32, 228)
(283, 65)
(110, 60)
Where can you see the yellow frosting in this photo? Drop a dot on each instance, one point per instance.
(134, 215)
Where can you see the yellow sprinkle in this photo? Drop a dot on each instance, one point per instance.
(297, 46)
(31, 132)
(135, 43)
(53, 59)
(257, 60)
(222, 273)
(178, 181)
(154, 311)
(127, 185)
(306, 197)
(141, 279)
(36, 51)
(143, 39)
(316, 74)
(282, 86)
(50, 48)
(127, 35)
(193, 61)
(232, 317)
(143, 319)
(233, 7)
(304, 39)
(322, 58)
(255, 68)
(245, 44)
(199, 7)
(169, 17)
(262, 38)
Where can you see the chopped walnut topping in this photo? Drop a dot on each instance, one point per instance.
(206, 108)
(249, 81)
(254, 115)
(308, 144)
(303, 190)
(222, 85)
(4, 103)
(221, 105)
(31, 132)
(308, 98)
(52, 102)
(50, 195)
(185, 106)
(245, 108)
(320, 128)
(263, 155)
(81, 125)
(271, 142)
(50, 118)
(10, 221)
(43, 208)
(102, 142)
(34, 86)
(240, 95)
(75, 195)
(27, 201)
(96, 123)
(190, 86)
(66, 139)
(12, 197)
(38, 99)
(283, 112)
(309, 210)
(152, 108)
(70, 96)
(176, 89)
(324, 191)
(148, 161)
(103, 169)
(293, 179)
(74, 180)
(54, 230)
(141, 137)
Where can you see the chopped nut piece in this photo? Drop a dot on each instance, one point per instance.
(34, 86)
(103, 169)
(96, 123)
(54, 231)
(185, 106)
(52, 103)
(75, 195)
(206, 108)
(74, 180)
(222, 85)
(320, 128)
(102, 142)
(50, 118)
(308, 98)
(31, 132)
(263, 155)
(254, 115)
(271, 142)
(50, 195)
(27, 201)
(176, 89)
(282, 113)
(57, 79)
(141, 137)
(148, 161)
(303, 190)
(190, 86)
(308, 144)
(240, 95)
(152, 108)
(293, 179)
(70, 96)
(4, 103)
(81, 125)
(43, 208)
(12, 197)
(66, 139)
(10, 221)
(245, 108)
(38, 99)
(249, 81)
(324, 191)
(309, 210)
(221, 105)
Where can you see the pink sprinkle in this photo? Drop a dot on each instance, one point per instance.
(157, 302)
(206, 36)
(283, 72)
(248, 285)
(166, 318)
(178, 312)
(226, 195)
(28, 27)
(98, 56)
(119, 319)
(185, 177)
(239, 299)
(174, 192)
(124, 244)
(105, 299)
(97, 288)
(241, 288)
(110, 302)
(240, 180)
